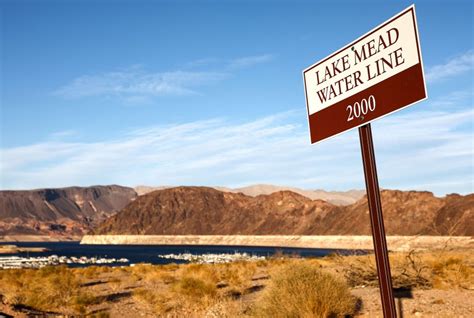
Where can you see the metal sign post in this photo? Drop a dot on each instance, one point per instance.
(376, 220)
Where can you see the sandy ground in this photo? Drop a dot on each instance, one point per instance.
(11, 249)
(422, 303)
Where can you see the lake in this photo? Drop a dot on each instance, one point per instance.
(149, 253)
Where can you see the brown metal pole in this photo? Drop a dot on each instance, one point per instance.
(376, 220)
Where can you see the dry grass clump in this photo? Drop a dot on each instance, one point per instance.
(154, 276)
(453, 270)
(92, 272)
(206, 272)
(187, 295)
(302, 290)
(195, 288)
(177, 290)
(46, 289)
(140, 271)
(159, 302)
(408, 271)
(191, 289)
(438, 269)
(238, 275)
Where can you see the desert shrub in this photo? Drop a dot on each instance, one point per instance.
(302, 290)
(82, 301)
(140, 270)
(55, 286)
(207, 272)
(93, 271)
(160, 303)
(408, 270)
(238, 275)
(358, 270)
(157, 277)
(12, 285)
(195, 287)
(427, 269)
(48, 289)
(170, 266)
(452, 271)
(166, 278)
(411, 270)
(227, 308)
(153, 275)
(101, 314)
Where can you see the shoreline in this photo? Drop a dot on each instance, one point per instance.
(353, 242)
(38, 238)
(13, 249)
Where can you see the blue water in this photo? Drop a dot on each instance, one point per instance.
(149, 253)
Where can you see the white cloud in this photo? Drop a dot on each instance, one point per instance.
(249, 61)
(454, 67)
(452, 100)
(424, 149)
(63, 134)
(135, 85)
(231, 64)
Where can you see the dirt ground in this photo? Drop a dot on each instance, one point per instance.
(422, 303)
(425, 303)
(126, 292)
(119, 302)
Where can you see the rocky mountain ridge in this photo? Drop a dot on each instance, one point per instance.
(206, 211)
(334, 197)
(60, 211)
(75, 211)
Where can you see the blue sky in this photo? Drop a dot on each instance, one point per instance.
(211, 93)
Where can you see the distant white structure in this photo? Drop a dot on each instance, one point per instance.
(38, 262)
(213, 258)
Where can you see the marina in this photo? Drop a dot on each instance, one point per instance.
(10, 262)
(73, 254)
(213, 258)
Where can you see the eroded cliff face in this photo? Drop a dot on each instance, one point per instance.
(207, 211)
(64, 211)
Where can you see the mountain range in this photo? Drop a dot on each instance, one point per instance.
(72, 211)
(204, 211)
(334, 197)
(259, 209)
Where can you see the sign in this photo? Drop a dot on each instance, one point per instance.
(377, 74)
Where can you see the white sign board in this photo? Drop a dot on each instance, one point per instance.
(375, 75)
